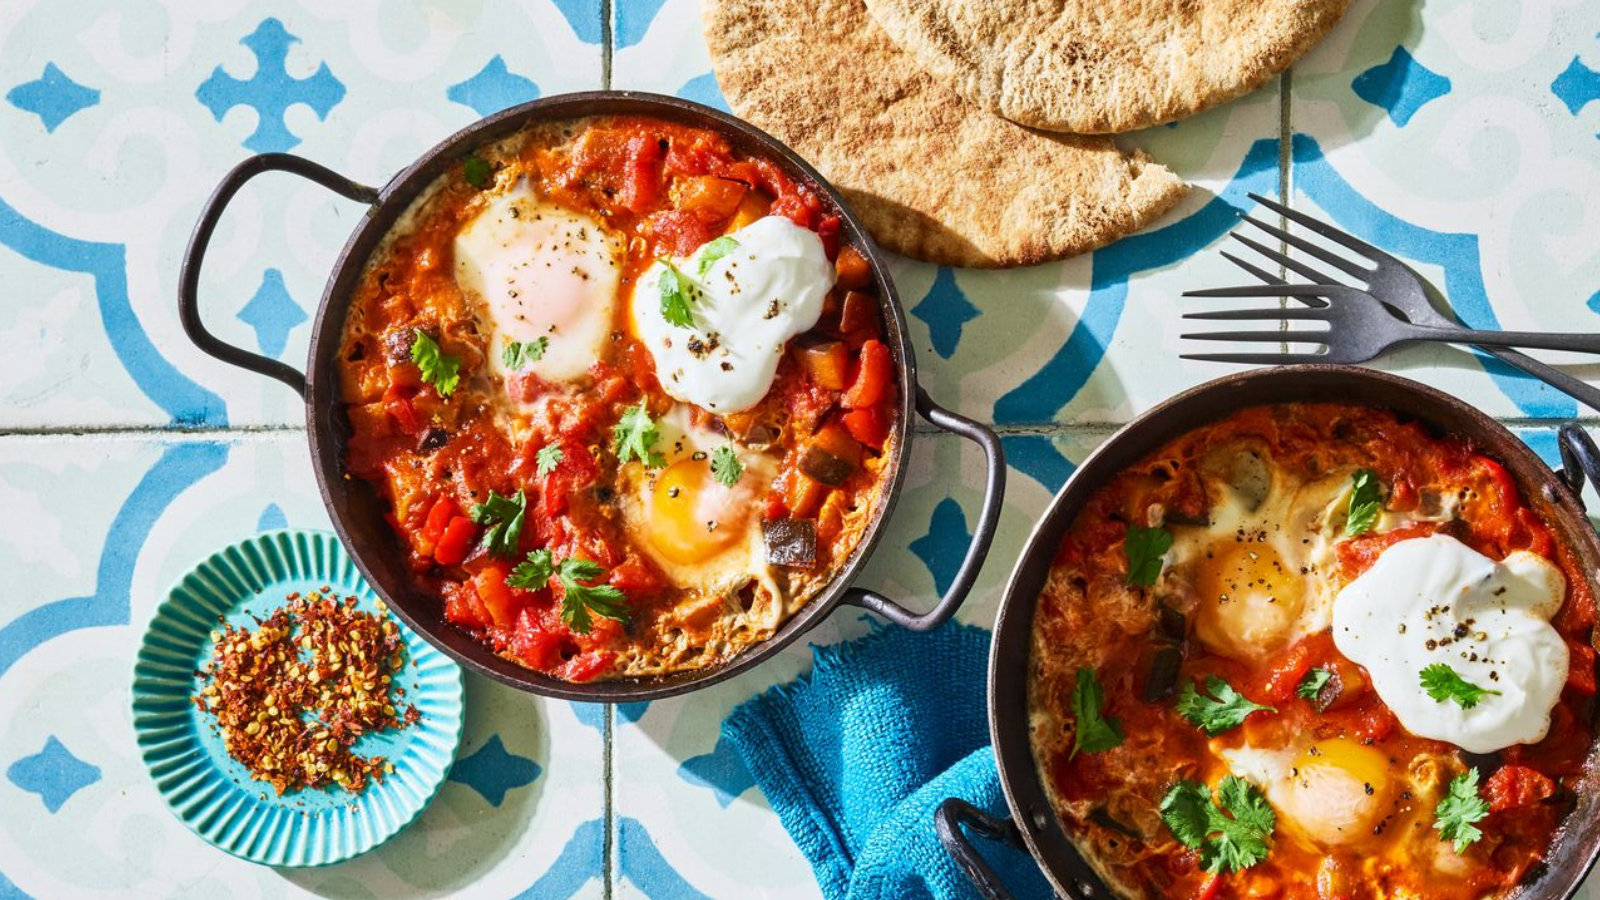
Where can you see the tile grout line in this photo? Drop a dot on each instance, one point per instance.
(1285, 167)
(608, 855)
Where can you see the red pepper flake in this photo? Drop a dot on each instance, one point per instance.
(291, 697)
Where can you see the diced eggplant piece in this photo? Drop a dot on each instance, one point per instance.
(1331, 689)
(1170, 624)
(433, 439)
(858, 314)
(1162, 681)
(790, 542)
(825, 467)
(1104, 819)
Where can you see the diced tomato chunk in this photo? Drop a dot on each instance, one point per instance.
(497, 596)
(587, 666)
(456, 541)
(870, 425)
(828, 231)
(400, 408)
(1513, 787)
(462, 606)
(534, 643)
(637, 578)
(1580, 668)
(643, 181)
(439, 515)
(874, 374)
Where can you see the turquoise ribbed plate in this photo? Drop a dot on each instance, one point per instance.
(214, 795)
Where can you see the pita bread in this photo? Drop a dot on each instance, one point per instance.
(932, 177)
(1104, 66)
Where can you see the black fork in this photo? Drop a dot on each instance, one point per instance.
(1388, 279)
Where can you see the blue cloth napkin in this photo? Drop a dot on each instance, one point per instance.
(856, 757)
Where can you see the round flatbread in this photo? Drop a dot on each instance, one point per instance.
(1104, 66)
(932, 177)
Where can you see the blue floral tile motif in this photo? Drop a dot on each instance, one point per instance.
(704, 89)
(585, 19)
(1036, 456)
(1400, 86)
(53, 97)
(1577, 86)
(271, 90)
(494, 88)
(493, 771)
(581, 861)
(945, 544)
(272, 313)
(946, 310)
(641, 862)
(722, 770)
(632, 20)
(53, 773)
(272, 518)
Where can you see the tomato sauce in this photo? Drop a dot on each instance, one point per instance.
(1086, 617)
(665, 189)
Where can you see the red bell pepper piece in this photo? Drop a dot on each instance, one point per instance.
(874, 373)
(455, 542)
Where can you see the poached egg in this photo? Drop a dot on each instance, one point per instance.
(1435, 600)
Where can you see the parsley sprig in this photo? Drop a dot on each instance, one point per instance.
(633, 436)
(548, 458)
(725, 466)
(518, 354)
(1232, 833)
(1444, 683)
(581, 599)
(1145, 548)
(1459, 809)
(1365, 503)
(675, 292)
(477, 171)
(1095, 732)
(710, 253)
(503, 516)
(1225, 709)
(438, 368)
(1313, 682)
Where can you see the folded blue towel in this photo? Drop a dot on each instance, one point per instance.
(856, 757)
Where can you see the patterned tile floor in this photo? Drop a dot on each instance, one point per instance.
(1462, 136)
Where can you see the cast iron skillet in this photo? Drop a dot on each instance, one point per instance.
(1033, 825)
(355, 508)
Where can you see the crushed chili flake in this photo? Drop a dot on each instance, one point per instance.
(291, 697)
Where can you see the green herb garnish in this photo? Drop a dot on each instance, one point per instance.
(633, 436)
(1145, 547)
(1225, 709)
(581, 599)
(1231, 833)
(1444, 683)
(503, 516)
(517, 354)
(710, 253)
(1460, 808)
(547, 458)
(1311, 685)
(533, 573)
(675, 297)
(438, 368)
(1365, 503)
(477, 171)
(1094, 732)
(725, 466)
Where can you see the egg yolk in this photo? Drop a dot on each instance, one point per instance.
(1337, 792)
(1249, 599)
(693, 517)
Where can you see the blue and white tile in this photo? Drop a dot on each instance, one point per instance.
(119, 119)
(690, 823)
(1466, 147)
(104, 526)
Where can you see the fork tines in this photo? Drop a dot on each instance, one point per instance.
(1305, 292)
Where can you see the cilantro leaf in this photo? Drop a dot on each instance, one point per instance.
(580, 599)
(439, 368)
(517, 355)
(1228, 710)
(710, 253)
(1145, 547)
(725, 466)
(1313, 682)
(1233, 837)
(1444, 683)
(533, 573)
(633, 436)
(675, 297)
(477, 171)
(1460, 808)
(504, 517)
(1365, 503)
(1095, 732)
(547, 458)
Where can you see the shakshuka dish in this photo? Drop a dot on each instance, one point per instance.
(1312, 651)
(626, 393)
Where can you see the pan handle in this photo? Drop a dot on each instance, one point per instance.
(994, 492)
(1580, 459)
(200, 240)
(947, 821)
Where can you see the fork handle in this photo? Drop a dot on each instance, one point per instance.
(1577, 389)
(1537, 340)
